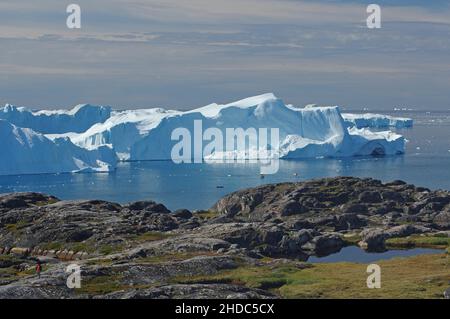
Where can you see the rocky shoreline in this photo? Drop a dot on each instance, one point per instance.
(143, 250)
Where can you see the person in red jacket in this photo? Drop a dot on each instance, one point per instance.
(38, 268)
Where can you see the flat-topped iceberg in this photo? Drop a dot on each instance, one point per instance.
(93, 143)
(27, 152)
(370, 120)
(303, 132)
(77, 120)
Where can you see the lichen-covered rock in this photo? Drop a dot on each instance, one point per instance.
(374, 239)
(193, 291)
(128, 247)
(324, 245)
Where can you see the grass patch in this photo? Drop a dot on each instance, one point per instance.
(8, 275)
(99, 262)
(45, 203)
(173, 257)
(86, 246)
(351, 239)
(206, 214)
(15, 228)
(8, 272)
(263, 277)
(425, 276)
(111, 249)
(75, 247)
(151, 236)
(8, 258)
(433, 241)
(82, 247)
(13, 274)
(101, 285)
(32, 271)
(53, 246)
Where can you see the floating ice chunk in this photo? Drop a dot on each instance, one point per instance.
(369, 120)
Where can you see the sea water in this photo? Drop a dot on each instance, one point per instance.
(199, 186)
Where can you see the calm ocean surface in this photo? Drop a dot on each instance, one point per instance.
(199, 186)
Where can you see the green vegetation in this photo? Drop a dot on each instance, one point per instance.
(15, 228)
(7, 258)
(425, 241)
(206, 214)
(45, 203)
(31, 271)
(351, 239)
(111, 249)
(87, 246)
(99, 262)
(52, 246)
(150, 236)
(101, 285)
(7, 275)
(91, 247)
(423, 276)
(173, 257)
(75, 247)
(13, 272)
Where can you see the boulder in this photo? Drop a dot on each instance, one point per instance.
(374, 239)
(23, 200)
(349, 222)
(193, 291)
(291, 244)
(182, 214)
(148, 206)
(354, 209)
(292, 208)
(370, 197)
(79, 235)
(20, 251)
(324, 245)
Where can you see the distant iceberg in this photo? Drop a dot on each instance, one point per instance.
(24, 151)
(77, 120)
(370, 120)
(98, 135)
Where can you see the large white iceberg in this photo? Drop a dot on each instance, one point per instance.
(24, 151)
(303, 132)
(122, 130)
(369, 120)
(91, 138)
(77, 120)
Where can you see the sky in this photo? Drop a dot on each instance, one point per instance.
(180, 54)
